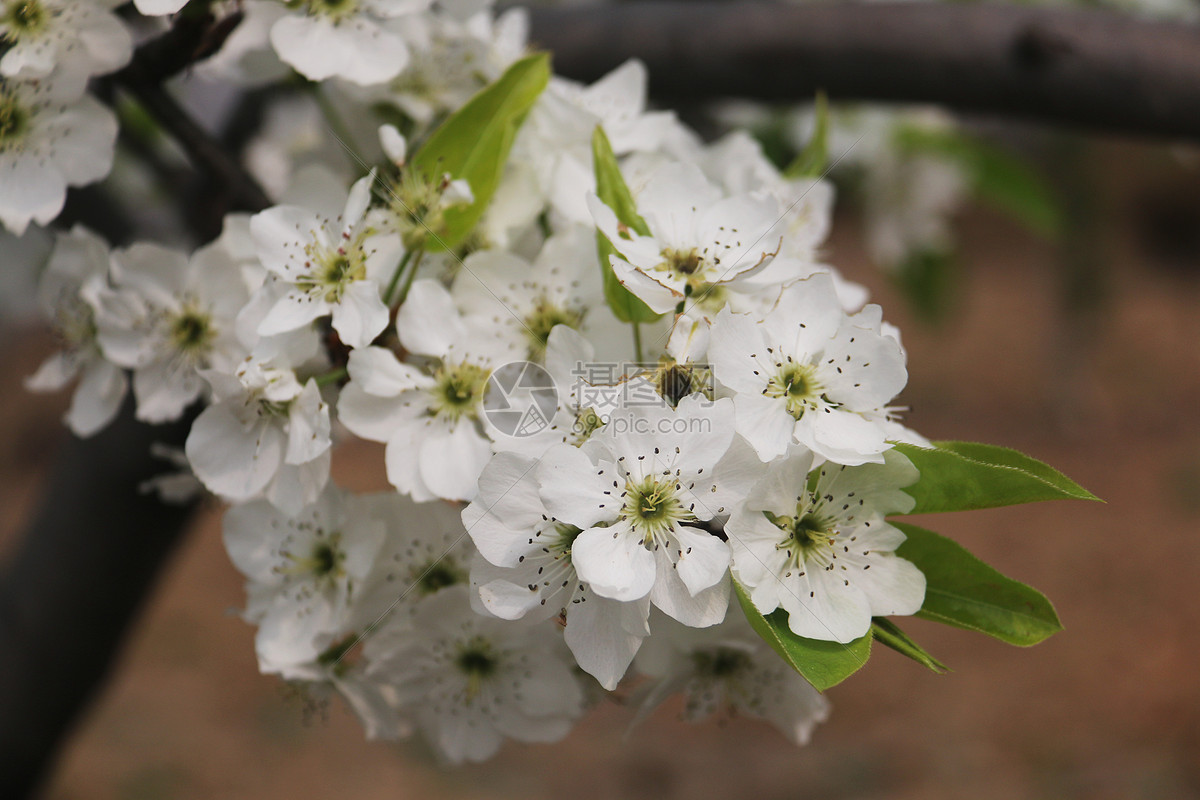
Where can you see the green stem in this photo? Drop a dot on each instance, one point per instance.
(637, 342)
(412, 273)
(391, 287)
(333, 376)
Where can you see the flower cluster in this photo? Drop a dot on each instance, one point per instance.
(623, 396)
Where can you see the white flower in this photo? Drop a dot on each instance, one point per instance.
(166, 318)
(699, 244)
(264, 433)
(809, 373)
(555, 143)
(328, 267)
(638, 491)
(469, 681)
(453, 57)
(527, 572)
(525, 302)
(304, 573)
(826, 555)
(728, 668)
(426, 551)
(157, 8)
(333, 38)
(77, 36)
(79, 258)
(428, 417)
(51, 137)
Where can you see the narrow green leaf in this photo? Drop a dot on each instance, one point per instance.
(823, 664)
(812, 161)
(962, 591)
(998, 177)
(614, 193)
(962, 476)
(474, 142)
(888, 633)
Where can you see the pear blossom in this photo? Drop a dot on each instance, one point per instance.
(77, 36)
(79, 258)
(700, 243)
(426, 550)
(555, 143)
(51, 137)
(265, 434)
(469, 681)
(453, 56)
(352, 41)
(304, 572)
(525, 302)
(167, 318)
(809, 373)
(638, 492)
(158, 8)
(826, 555)
(429, 417)
(527, 572)
(327, 267)
(728, 668)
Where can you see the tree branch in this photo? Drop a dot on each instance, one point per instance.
(1073, 67)
(72, 588)
(190, 39)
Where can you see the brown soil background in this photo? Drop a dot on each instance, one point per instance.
(1110, 708)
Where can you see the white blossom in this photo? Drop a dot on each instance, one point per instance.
(825, 555)
(79, 258)
(809, 373)
(469, 681)
(51, 137)
(527, 571)
(327, 267)
(77, 36)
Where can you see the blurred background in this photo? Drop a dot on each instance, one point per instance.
(1092, 365)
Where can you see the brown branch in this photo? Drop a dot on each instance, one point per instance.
(192, 38)
(72, 588)
(1072, 67)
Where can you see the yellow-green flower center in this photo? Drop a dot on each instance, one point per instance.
(336, 9)
(653, 507)
(14, 118)
(459, 389)
(542, 319)
(192, 332)
(24, 18)
(797, 384)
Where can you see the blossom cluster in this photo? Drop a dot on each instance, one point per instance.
(601, 425)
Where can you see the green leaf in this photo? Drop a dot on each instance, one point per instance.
(614, 193)
(927, 278)
(963, 476)
(887, 633)
(812, 161)
(823, 664)
(962, 591)
(473, 143)
(998, 177)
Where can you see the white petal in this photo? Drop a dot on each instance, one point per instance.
(614, 562)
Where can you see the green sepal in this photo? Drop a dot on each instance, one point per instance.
(889, 634)
(962, 591)
(474, 142)
(964, 476)
(614, 193)
(821, 663)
